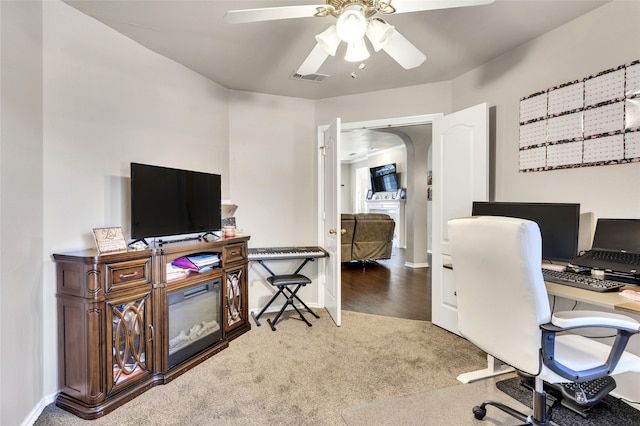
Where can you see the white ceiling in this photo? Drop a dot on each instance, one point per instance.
(261, 57)
(356, 145)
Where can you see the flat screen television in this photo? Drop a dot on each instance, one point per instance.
(558, 222)
(384, 178)
(166, 201)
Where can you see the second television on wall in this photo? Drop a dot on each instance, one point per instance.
(384, 178)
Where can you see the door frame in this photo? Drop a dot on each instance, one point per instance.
(329, 215)
(384, 123)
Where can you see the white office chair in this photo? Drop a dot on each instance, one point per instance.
(503, 308)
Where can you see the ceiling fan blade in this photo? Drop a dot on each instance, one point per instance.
(314, 61)
(270, 13)
(405, 6)
(404, 53)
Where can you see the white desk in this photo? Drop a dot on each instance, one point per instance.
(608, 300)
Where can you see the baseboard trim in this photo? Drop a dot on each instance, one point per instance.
(37, 410)
(416, 265)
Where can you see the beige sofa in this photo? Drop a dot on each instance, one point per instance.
(368, 236)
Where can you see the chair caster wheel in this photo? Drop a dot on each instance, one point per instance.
(479, 412)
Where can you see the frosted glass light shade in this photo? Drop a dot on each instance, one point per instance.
(379, 33)
(329, 40)
(351, 25)
(356, 51)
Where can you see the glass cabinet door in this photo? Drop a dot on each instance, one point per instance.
(131, 334)
(234, 296)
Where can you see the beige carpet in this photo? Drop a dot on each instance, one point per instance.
(446, 406)
(301, 375)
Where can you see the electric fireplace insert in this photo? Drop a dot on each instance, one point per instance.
(194, 319)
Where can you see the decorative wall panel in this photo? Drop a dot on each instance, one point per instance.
(590, 122)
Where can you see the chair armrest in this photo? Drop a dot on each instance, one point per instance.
(570, 320)
(578, 319)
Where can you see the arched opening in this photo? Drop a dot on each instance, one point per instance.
(409, 148)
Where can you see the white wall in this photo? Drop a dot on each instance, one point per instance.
(418, 218)
(21, 299)
(403, 102)
(347, 182)
(108, 101)
(605, 38)
(273, 157)
(361, 185)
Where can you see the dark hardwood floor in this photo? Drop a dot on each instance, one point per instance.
(387, 288)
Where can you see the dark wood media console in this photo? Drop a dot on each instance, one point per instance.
(113, 319)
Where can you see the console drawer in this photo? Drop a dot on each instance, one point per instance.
(132, 273)
(234, 253)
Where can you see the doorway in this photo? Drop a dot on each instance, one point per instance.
(400, 286)
(461, 139)
(409, 146)
(329, 202)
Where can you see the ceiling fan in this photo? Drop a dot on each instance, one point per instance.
(355, 19)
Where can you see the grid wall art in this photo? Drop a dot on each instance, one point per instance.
(590, 122)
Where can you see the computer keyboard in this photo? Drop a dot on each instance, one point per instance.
(614, 256)
(586, 282)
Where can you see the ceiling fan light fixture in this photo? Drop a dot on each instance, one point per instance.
(356, 51)
(329, 40)
(379, 33)
(352, 24)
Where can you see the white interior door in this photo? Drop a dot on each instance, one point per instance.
(331, 229)
(460, 176)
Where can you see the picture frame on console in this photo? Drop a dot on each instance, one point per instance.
(109, 240)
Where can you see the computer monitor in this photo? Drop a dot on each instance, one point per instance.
(558, 223)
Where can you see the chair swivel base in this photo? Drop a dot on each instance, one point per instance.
(538, 418)
(282, 283)
(481, 411)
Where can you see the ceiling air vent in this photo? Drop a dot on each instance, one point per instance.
(314, 78)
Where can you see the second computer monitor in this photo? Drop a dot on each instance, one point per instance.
(558, 222)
